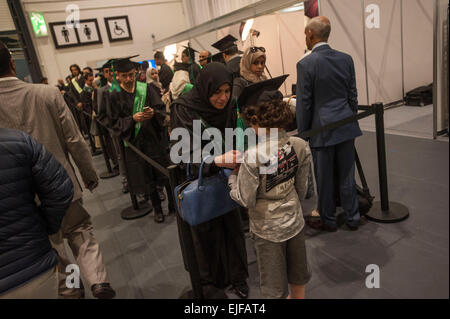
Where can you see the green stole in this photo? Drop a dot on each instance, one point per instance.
(139, 103)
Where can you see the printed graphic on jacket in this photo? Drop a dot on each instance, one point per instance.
(287, 167)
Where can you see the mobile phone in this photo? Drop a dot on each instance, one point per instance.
(146, 108)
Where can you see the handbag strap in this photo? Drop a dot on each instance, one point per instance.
(200, 172)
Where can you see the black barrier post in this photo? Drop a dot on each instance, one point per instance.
(109, 173)
(137, 210)
(384, 211)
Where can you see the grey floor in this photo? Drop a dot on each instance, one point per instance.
(144, 258)
(405, 120)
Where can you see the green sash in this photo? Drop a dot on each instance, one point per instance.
(77, 86)
(187, 88)
(139, 103)
(241, 143)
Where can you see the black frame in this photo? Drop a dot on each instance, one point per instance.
(51, 25)
(130, 37)
(98, 33)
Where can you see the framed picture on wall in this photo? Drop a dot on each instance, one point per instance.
(63, 36)
(89, 32)
(118, 28)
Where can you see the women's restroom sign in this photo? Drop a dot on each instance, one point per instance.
(373, 17)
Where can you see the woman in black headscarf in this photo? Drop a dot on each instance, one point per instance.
(220, 242)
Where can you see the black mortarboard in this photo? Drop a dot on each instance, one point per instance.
(124, 64)
(261, 92)
(218, 57)
(191, 51)
(225, 43)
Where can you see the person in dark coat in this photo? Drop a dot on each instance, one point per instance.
(326, 93)
(219, 243)
(228, 47)
(27, 260)
(165, 72)
(142, 128)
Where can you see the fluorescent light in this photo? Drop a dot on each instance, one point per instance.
(296, 7)
(170, 51)
(247, 28)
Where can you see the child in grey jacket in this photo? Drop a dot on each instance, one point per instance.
(270, 182)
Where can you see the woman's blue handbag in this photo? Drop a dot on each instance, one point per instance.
(205, 198)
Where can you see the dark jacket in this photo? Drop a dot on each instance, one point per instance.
(326, 93)
(165, 76)
(27, 169)
(234, 66)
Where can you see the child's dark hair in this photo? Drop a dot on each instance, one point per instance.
(272, 114)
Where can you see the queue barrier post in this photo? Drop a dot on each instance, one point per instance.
(384, 211)
(138, 209)
(109, 171)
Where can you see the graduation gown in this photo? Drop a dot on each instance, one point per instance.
(142, 177)
(234, 66)
(165, 76)
(219, 243)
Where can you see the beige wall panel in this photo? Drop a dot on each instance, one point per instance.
(417, 43)
(384, 67)
(292, 37)
(347, 36)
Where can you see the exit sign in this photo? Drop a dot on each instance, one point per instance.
(38, 23)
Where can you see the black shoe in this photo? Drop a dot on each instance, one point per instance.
(103, 291)
(241, 290)
(352, 227)
(329, 228)
(159, 216)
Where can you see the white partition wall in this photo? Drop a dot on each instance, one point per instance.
(346, 18)
(390, 42)
(384, 52)
(417, 43)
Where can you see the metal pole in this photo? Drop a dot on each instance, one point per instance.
(281, 49)
(384, 211)
(365, 50)
(435, 67)
(401, 48)
(381, 152)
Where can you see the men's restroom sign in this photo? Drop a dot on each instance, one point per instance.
(373, 17)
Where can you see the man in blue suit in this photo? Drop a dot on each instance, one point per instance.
(326, 93)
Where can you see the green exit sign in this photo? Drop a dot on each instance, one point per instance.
(38, 23)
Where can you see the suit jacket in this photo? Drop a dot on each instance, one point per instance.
(326, 93)
(41, 111)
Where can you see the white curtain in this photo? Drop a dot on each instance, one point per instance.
(200, 11)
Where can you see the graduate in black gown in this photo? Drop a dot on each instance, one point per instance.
(219, 243)
(126, 116)
(230, 53)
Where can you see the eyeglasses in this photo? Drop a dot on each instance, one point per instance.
(254, 49)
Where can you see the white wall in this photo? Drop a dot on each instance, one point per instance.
(386, 82)
(162, 18)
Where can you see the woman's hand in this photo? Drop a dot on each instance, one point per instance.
(228, 160)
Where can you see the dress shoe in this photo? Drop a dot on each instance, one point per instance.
(352, 227)
(241, 290)
(319, 225)
(329, 228)
(103, 291)
(159, 216)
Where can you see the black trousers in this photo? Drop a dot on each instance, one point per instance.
(334, 168)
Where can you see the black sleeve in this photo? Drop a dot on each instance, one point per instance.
(122, 122)
(53, 185)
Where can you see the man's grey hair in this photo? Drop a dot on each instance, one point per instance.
(320, 26)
